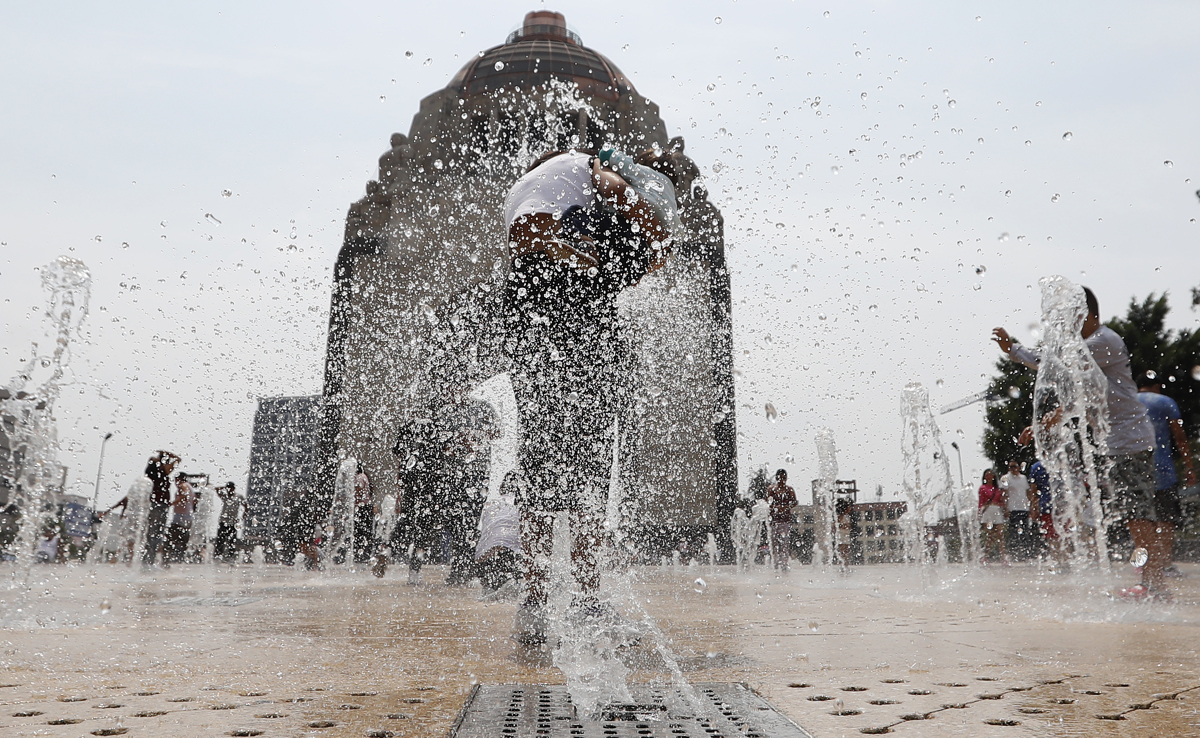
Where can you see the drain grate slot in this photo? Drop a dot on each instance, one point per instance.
(545, 711)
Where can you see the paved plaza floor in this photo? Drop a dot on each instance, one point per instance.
(267, 650)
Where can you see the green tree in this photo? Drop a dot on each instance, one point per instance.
(1009, 410)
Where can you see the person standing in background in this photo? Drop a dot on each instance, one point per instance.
(1168, 429)
(180, 530)
(365, 510)
(782, 499)
(226, 545)
(158, 471)
(1016, 493)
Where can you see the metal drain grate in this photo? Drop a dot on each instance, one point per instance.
(545, 711)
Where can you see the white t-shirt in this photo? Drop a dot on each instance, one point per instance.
(557, 185)
(1129, 427)
(1017, 487)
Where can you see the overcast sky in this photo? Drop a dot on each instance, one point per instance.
(895, 178)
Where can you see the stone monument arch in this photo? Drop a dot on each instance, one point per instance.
(417, 283)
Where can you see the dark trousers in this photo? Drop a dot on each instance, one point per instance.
(461, 525)
(156, 529)
(1020, 536)
(175, 546)
(225, 546)
(364, 533)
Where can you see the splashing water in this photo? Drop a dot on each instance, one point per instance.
(928, 486)
(823, 505)
(1071, 409)
(28, 403)
(341, 512)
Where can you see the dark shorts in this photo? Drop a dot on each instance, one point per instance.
(1168, 506)
(1127, 487)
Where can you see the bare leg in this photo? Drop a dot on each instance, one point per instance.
(586, 534)
(537, 544)
(1158, 539)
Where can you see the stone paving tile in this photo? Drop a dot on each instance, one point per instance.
(291, 653)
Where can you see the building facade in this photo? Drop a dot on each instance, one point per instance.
(283, 465)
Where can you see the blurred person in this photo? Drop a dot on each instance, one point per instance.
(992, 516)
(158, 471)
(1126, 466)
(843, 510)
(1168, 431)
(225, 547)
(470, 425)
(782, 501)
(1018, 498)
(418, 512)
(47, 551)
(578, 235)
(365, 510)
(180, 531)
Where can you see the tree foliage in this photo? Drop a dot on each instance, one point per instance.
(1173, 355)
(1009, 409)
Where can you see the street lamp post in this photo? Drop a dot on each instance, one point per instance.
(99, 470)
(957, 450)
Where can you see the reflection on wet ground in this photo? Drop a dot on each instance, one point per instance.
(271, 651)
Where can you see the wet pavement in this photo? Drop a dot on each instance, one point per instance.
(271, 651)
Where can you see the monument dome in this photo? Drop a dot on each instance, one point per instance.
(541, 49)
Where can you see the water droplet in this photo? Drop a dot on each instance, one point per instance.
(427, 62)
(981, 269)
(1028, 142)
(826, 13)
(700, 585)
(105, 605)
(408, 54)
(711, 87)
(872, 308)
(952, 103)
(1168, 164)
(1055, 197)
(226, 193)
(1008, 193)
(780, 226)
(1067, 136)
(981, 139)
(940, 383)
(820, 316)
(383, 98)
(977, 286)
(1139, 558)
(717, 20)
(437, 164)
(813, 626)
(772, 413)
(863, 96)
(978, 18)
(212, 219)
(835, 170)
(498, 65)
(789, 459)
(1003, 237)
(1014, 392)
